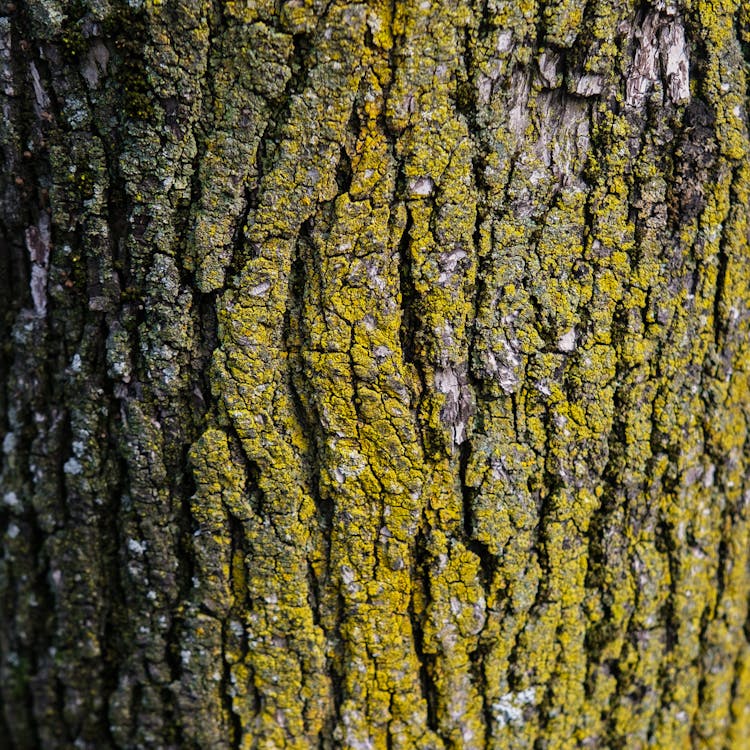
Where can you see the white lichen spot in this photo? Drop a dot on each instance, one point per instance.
(375, 23)
(355, 733)
(422, 186)
(567, 342)
(136, 547)
(75, 364)
(347, 575)
(504, 41)
(185, 657)
(13, 531)
(73, 467)
(502, 365)
(9, 443)
(448, 263)
(259, 289)
(169, 373)
(75, 112)
(381, 353)
(374, 277)
(11, 499)
(543, 387)
(509, 708)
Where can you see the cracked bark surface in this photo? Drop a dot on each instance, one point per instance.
(374, 375)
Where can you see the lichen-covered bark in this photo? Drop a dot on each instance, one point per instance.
(375, 375)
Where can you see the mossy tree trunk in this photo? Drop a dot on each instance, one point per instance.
(374, 375)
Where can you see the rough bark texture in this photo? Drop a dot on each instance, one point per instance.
(374, 375)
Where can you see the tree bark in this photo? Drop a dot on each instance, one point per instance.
(375, 375)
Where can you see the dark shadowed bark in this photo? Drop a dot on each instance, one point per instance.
(374, 374)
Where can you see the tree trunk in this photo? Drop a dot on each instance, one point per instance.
(375, 375)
